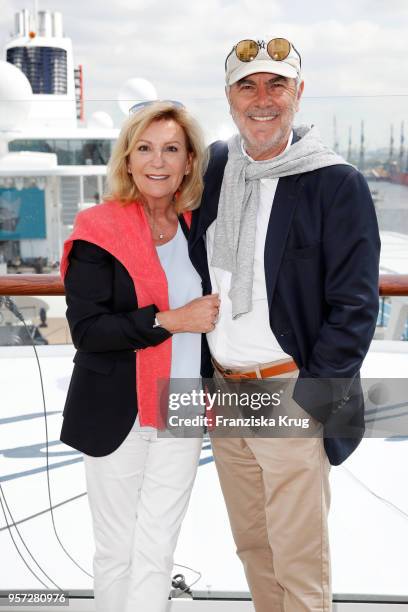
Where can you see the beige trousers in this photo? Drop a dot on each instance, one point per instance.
(277, 495)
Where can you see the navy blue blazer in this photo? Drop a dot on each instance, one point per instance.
(321, 269)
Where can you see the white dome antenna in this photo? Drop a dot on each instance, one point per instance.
(135, 90)
(15, 97)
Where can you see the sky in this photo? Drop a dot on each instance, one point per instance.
(354, 55)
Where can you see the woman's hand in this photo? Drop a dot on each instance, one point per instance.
(199, 315)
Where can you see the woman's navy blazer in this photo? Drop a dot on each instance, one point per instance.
(107, 328)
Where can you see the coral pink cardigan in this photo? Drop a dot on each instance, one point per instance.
(124, 232)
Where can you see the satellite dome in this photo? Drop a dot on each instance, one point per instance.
(135, 90)
(100, 120)
(15, 97)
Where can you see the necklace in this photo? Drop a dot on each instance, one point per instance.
(160, 235)
(157, 233)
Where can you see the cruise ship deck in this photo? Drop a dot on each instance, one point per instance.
(368, 519)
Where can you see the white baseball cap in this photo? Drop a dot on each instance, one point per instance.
(259, 56)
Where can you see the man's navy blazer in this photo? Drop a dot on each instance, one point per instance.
(321, 269)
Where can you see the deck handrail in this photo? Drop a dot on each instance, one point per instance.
(50, 284)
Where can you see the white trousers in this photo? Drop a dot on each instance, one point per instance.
(138, 496)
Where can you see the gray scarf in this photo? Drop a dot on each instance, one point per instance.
(234, 240)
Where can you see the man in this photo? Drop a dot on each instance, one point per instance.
(287, 235)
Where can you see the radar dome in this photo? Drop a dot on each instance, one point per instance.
(133, 91)
(100, 120)
(15, 97)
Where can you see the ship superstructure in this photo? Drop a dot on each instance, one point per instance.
(52, 164)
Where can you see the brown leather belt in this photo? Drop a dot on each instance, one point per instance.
(263, 372)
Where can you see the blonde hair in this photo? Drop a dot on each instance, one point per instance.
(120, 184)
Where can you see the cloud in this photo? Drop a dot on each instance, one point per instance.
(181, 45)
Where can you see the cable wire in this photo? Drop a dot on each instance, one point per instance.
(9, 303)
(376, 495)
(15, 543)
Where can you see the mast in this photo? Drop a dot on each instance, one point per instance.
(391, 151)
(401, 151)
(335, 135)
(361, 161)
(349, 145)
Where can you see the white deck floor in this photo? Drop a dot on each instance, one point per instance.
(369, 536)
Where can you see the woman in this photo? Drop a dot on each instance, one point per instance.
(136, 314)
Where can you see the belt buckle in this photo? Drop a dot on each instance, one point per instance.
(237, 376)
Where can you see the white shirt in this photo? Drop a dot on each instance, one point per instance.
(247, 340)
(184, 285)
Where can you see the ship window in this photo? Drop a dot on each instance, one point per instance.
(72, 152)
(64, 155)
(45, 68)
(76, 148)
(96, 152)
(42, 146)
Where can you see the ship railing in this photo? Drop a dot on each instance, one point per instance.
(390, 285)
(392, 322)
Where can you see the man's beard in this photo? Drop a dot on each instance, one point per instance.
(279, 137)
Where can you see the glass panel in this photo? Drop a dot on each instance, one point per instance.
(91, 193)
(69, 152)
(43, 146)
(44, 318)
(64, 153)
(76, 148)
(95, 152)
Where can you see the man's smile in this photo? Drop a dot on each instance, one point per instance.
(261, 118)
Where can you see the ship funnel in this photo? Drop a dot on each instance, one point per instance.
(22, 23)
(42, 52)
(48, 24)
(44, 24)
(19, 24)
(57, 29)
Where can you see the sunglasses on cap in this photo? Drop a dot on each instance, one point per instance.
(278, 49)
(139, 105)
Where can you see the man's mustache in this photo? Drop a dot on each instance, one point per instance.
(262, 112)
